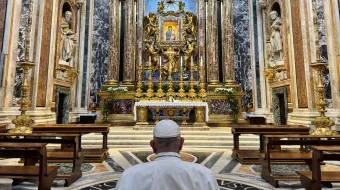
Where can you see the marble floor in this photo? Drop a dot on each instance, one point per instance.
(229, 173)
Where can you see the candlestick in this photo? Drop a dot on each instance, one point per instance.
(181, 91)
(171, 91)
(203, 92)
(192, 92)
(139, 91)
(160, 92)
(150, 92)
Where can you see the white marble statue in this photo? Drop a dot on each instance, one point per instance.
(276, 53)
(69, 39)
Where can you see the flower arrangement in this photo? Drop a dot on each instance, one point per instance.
(118, 89)
(225, 91)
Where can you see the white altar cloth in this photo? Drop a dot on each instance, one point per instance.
(173, 104)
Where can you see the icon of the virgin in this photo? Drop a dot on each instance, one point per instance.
(170, 34)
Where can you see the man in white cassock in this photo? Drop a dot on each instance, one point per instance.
(168, 171)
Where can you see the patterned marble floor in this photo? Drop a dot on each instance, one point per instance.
(229, 173)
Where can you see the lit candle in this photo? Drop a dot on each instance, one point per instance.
(150, 61)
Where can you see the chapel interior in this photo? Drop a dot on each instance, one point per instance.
(253, 84)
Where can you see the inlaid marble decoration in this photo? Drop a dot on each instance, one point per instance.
(323, 49)
(120, 107)
(100, 47)
(242, 49)
(86, 55)
(21, 50)
(151, 6)
(220, 107)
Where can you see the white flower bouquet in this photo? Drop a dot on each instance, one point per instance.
(118, 89)
(225, 91)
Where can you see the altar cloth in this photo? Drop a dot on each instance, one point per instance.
(172, 104)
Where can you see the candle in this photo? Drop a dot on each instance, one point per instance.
(150, 61)
(201, 62)
(192, 61)
(160, 61)
(181, 61)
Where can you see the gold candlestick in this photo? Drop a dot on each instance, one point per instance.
(160, 93)
(192, 92)
(203, 92)
(150, 92)
(181, 91)
(171, 91)
(139, 91)
(23, 121)
(322, 123)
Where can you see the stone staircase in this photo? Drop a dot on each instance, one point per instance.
(126, 137)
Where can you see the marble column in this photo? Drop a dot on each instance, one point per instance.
(201, 31)
(228, 42)
(212, 43)
(114, 47)
(129, 43)
(140, 16)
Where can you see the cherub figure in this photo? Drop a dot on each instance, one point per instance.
(151, 26)
(160, 9)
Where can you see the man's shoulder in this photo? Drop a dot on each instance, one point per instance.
(137, 168)
(197, 167)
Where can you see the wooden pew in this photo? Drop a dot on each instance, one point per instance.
(90, 155)
(312, 180)
(45, 174)
(291, 156)
(3, 127)
(54, 156)
(246, 156)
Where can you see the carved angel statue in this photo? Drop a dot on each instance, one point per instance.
(189, 52)
(151, 27)
(189, 27)
(170, 61)
(181, 6)
(276, 39)
(69, 39)
(263, 4)
(153, 51)
(160, 9)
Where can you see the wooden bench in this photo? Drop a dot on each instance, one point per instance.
(3, 127)
(247, 156)
(54, 156)
(90, 155)
(45, 174)
(313, 180)
(291, 156)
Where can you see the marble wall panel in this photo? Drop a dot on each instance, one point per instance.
(120, 107)
(323, 49)
(220, 107)
(299, 55)
(3, 5)
(21, 50)
(100, 46)
(45, 53)
(242, 49)
(86, 54)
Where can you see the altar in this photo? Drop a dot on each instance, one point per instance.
(171, 110)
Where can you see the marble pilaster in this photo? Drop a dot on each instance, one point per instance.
(212, 43)
(228, 42)
(114, 52)
(201, 32)
(3, 4)
(129, 43)
(139, 39)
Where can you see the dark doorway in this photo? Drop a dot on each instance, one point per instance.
(62, 105)
(61, 113)
(282, 109)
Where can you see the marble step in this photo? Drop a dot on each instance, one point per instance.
(187, 142)
(187, 137)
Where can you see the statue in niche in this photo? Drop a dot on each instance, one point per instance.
(69, 39)
(151, 27)
(170, 61)
(276, 53)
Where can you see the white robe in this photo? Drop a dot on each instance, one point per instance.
(167, 172)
